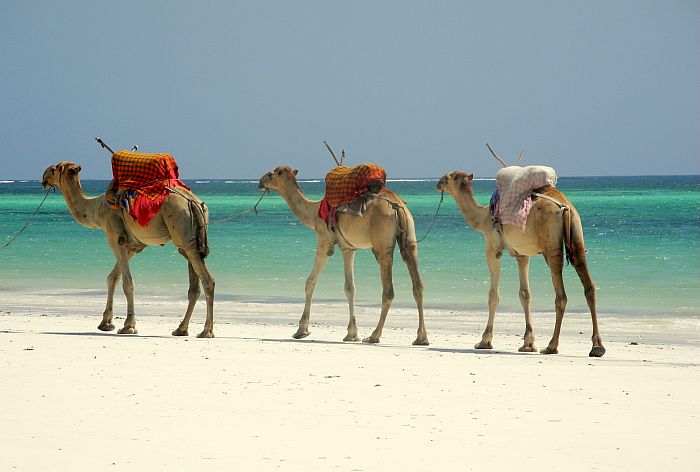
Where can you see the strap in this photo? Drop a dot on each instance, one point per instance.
(561, 205)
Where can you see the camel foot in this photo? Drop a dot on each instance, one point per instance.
(371, 340)
(351, 338)
(597, 351)
(128, 330)
(180, 332)
(527, 349)
(483, 345)
(549, 350)
(301, 334)
(106, 326)
(421, 342)
(207, 333)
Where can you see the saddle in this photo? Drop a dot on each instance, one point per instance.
(141, 183)
(511, 202)
(348, 188)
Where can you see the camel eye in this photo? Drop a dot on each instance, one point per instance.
(279, 172)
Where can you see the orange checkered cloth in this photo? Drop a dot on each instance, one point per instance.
(140, 182)
(344, 185)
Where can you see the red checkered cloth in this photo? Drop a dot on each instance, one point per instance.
(142, 179)
(344, 185)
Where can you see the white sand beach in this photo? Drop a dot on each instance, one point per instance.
(74, 398)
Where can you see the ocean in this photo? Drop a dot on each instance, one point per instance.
(642, 237)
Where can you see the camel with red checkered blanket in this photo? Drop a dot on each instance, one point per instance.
(553, 229)
(385, 221)
(182, 219)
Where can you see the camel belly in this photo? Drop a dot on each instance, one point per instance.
(155, 234)
(524, 243)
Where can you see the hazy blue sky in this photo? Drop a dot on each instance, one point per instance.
(234, 88)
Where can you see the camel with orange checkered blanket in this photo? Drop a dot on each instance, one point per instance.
(386, 220)
(180, 217)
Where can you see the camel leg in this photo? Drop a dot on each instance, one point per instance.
(192, 297)
(112, 279)
(493, 260)
(589, 291)
(411, 260)
(529, 337)
(556, 264)
(386, 261)
(323, 252)
(202, 272)
(123, 257)
(349, 266)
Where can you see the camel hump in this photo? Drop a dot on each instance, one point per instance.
(345, 184)
(141, 183)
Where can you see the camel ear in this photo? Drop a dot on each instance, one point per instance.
(295, 172)
(470, 177)
(59, 167)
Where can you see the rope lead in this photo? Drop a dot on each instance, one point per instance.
(29, 221)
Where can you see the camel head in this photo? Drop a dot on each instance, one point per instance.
(278, 178)
(55, 175)
(455, 182)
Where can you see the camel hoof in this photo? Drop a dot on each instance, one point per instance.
(597, 351)
(206, 334)
(421, 342)
(527, 349)
(181, 332)
(300, 334)
(370, 340)
(549, 350)
(106, 327)
(128, 330)
(483, 345)
(351, 339)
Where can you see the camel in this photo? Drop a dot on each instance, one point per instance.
(182, 219)
(546, 232)
(386, 221)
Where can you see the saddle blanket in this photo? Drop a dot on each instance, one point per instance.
(511, 203)
(345, 185)
(139, 183)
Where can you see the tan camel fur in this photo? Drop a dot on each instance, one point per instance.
(182, 219)
(379, 230)
(545, 233)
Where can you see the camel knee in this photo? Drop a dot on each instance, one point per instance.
(525, 295)
(560, 302)
(128, 285)
(113, 278)
(194, 292)
(388, 294)
(310, 285)
(494, 297)
(208, 284)
(349, 289)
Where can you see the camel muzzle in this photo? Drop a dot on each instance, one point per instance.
(440, 185)
(262, 185)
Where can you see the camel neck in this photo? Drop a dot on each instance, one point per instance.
(304, 209)
(474, 214)
(85, 210)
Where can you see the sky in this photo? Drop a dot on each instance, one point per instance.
(234, 88)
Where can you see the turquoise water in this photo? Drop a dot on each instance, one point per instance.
(642, 234)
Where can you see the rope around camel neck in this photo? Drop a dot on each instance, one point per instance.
(28, 222)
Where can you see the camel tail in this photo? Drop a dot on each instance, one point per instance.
(201, 214)
(406, 235)
(573, 238)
